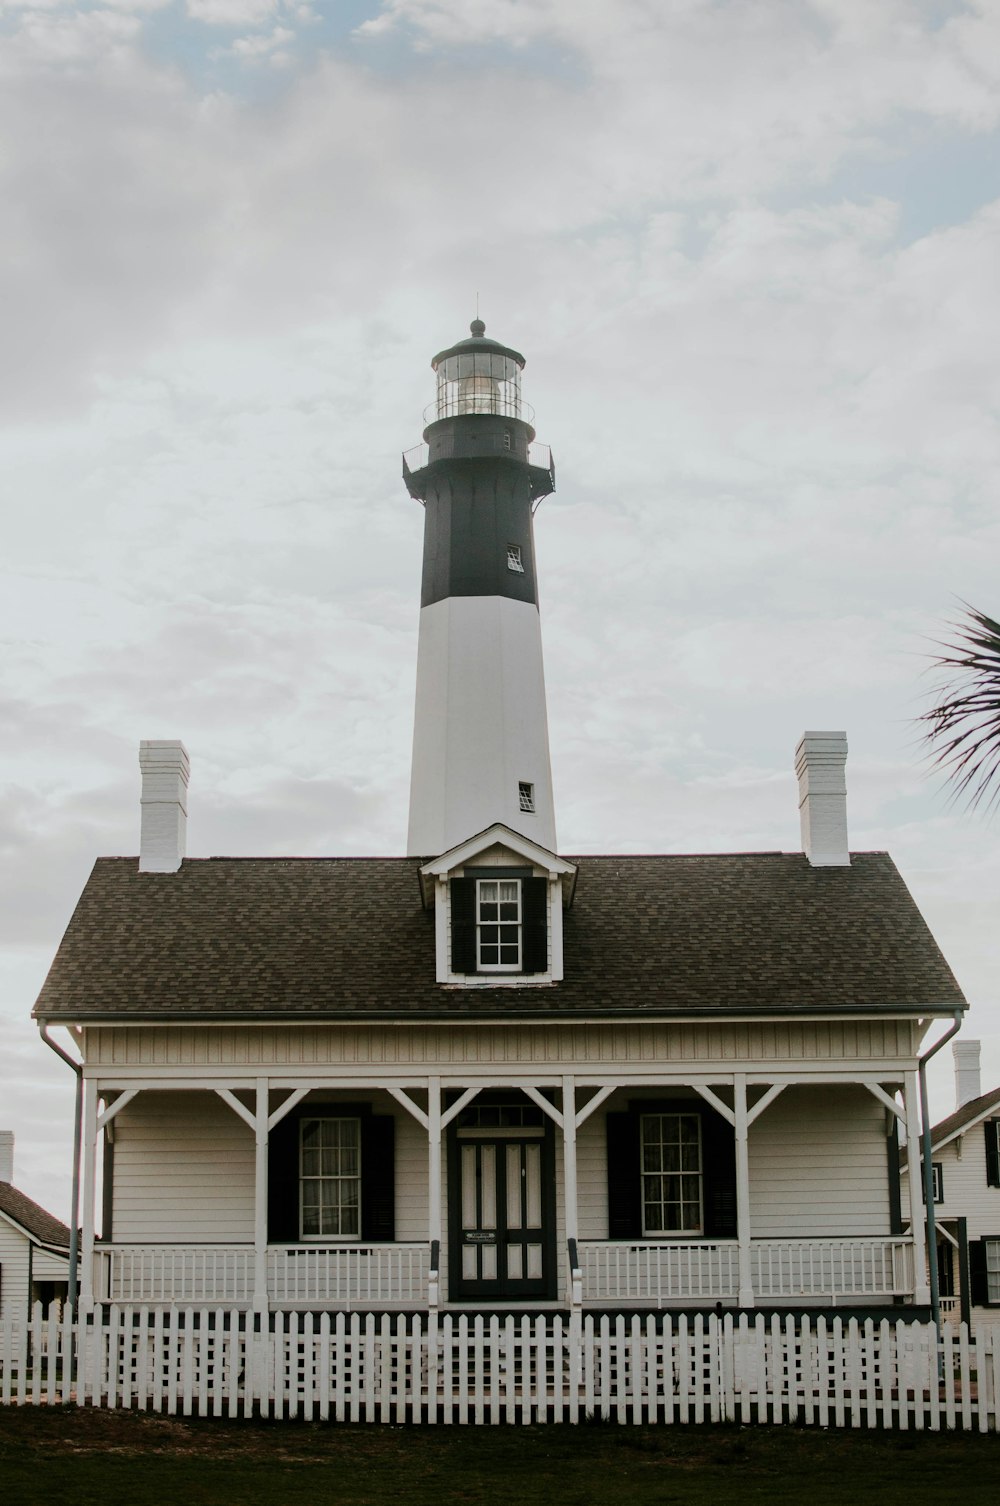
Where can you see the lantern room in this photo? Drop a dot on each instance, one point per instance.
(478, 376)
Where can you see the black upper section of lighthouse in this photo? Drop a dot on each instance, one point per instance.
(478, 475)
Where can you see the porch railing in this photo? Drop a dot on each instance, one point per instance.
(348, 1273)
(174, 1273)
(832, 1268)
(659, 1272)
(295, 1273)
(785, 1269)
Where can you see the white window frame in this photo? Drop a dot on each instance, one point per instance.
(503, 925)
(660, 1233)
(526, 797)
(937, 1176)
(514, 560)
(303, 1178)
(991, 1260)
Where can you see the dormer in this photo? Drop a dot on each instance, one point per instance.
(498, 901)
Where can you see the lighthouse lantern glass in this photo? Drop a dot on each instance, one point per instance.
(481, 381)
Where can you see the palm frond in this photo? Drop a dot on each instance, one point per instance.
(962, 730)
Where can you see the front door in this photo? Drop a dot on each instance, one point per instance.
(502, 1228)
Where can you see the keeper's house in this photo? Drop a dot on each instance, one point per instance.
(488, 1075)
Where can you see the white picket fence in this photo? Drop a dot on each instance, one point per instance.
(459, 1368)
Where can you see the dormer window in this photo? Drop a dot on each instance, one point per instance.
(498, 925)
(498, 900)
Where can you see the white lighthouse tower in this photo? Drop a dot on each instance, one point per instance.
(480, 739)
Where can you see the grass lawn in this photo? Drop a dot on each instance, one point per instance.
(93, 1458)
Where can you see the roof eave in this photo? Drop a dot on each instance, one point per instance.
(595, 1015)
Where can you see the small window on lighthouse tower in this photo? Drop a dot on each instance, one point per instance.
(514, 558)
(526, 797)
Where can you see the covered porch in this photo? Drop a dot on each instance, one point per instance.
(604, 1274)
(499, 1204)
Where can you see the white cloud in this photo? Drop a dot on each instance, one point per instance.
(774, 422)
(260, 45)
(235, 14)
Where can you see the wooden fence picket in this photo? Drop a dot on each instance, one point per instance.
(457, 1368)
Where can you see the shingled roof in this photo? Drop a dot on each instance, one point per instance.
(968, 1114)
(342, 938)
(47, 1229)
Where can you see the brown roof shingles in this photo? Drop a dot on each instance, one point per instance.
(24, 1211)
(976, 1108)
(340, 937)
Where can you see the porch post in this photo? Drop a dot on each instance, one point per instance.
(89, 1191)
(434, 1184)
(742, 1129)
(260, 1303)
(569, 1184)
(921, 1286)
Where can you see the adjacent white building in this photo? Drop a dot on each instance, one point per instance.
(34, 1246)
(965, 1156)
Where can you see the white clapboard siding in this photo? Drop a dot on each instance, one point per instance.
(592, 1177)
(459, 1368)
(965, 1189)
(818, 1165)
(46, 1266)
(560, 1046)
(14, 1264)
(411, 1175)
(183, 1171)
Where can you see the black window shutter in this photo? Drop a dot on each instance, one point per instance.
(624, 1187)
(535, 894)
(463, 925)
(283, 1181)
(378, 1177)
(978, 1286)
(992, 1128)
(718, 1151)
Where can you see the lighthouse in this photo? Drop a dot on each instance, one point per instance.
(480, 737)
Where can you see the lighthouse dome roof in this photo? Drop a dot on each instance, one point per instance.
(477, 341)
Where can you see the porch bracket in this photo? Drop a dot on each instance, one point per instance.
(764, 1102)
(238, 1108)
(599, 1097)
(716, 1102)
(405, 1101)
(884, 1098)
(289, 1104)
(116, 1107)
(453, 1111)
(543, 1103)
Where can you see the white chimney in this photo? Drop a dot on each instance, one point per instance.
(819, 762)
(967, 1079)
(6, 1155)
(163, 836)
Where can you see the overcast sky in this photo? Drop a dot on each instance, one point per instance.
(750, 250)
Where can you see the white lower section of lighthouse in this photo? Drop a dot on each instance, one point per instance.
(480, 737)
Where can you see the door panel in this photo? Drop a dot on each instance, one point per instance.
(502, 1235)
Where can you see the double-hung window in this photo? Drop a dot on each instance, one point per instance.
(992, 1270)
(498, 925)
(330, 1178)
(670, 1148)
